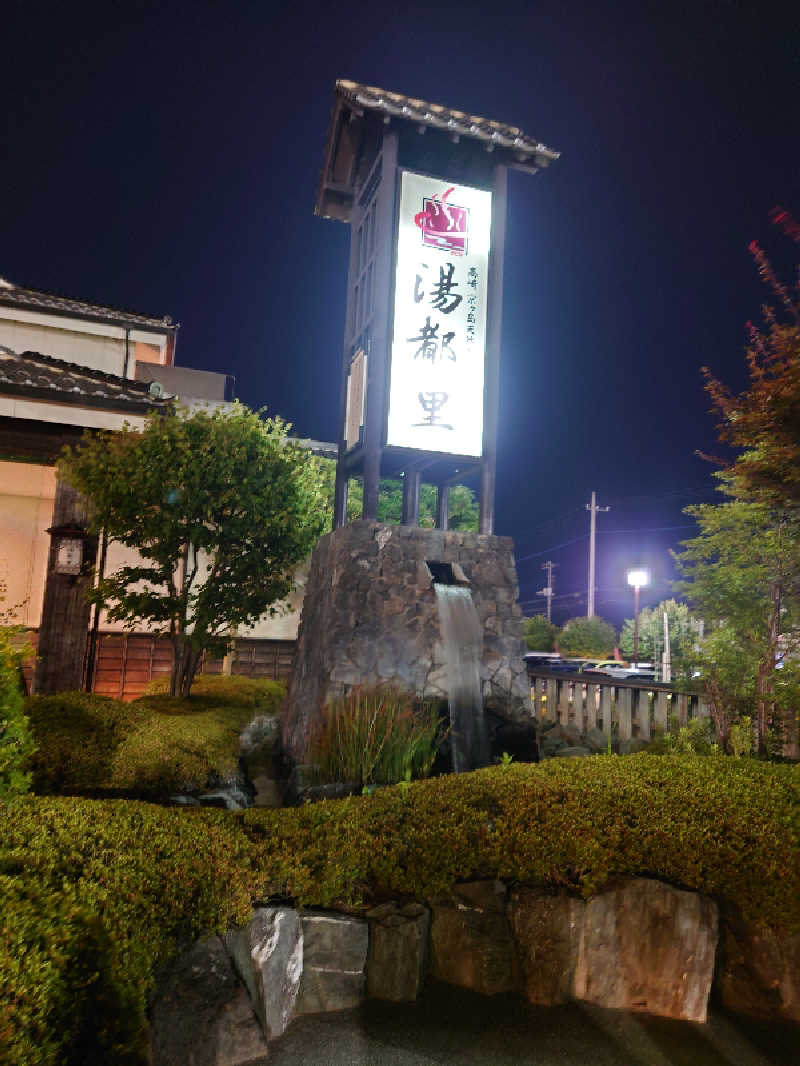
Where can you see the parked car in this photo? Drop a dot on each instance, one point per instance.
(629, 673)
(597, 666)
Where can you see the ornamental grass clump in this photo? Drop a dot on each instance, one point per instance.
(375, 735)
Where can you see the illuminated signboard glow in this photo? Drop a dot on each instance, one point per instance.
(439, 324)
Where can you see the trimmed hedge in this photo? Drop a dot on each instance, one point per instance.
(95, 895)
(151, 747)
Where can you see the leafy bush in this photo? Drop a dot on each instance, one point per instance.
(540, 635)
(218, 690)
(156, 745)
(587, 636)
(376, 735)
(16, 743)
(95, 895)
(697, 737)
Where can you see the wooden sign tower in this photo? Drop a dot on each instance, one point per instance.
(423, 188)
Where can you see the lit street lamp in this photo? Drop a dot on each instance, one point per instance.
(637, 578)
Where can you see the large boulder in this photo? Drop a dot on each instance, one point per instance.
(398, 943)
(759, 972)
(268, 956)
(471, 943)
(547, 929)
(647, 946)
(203, 1015)
(334, 960)
(640, 945)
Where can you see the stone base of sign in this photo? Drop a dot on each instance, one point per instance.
(370, 617)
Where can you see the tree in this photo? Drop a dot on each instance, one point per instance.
(220, 506)
(540, 634)
(763, 422)
(683, 634)
(592, 637)
(741, 570)
(740, 573)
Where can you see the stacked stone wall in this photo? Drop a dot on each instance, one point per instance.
(370, 617)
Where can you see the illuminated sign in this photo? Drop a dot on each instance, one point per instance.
(439, 322)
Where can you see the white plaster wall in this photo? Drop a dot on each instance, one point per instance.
(96, 345)
(67, 415)
(27, 492)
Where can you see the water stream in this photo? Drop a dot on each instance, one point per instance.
(463, 647)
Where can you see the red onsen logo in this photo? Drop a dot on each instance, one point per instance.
(444, 226)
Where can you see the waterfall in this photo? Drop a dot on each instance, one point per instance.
(463, 648)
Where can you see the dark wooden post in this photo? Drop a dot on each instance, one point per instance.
(491, 393)
(381, 339)
(64, 629)
(411, 479)
(443, 507)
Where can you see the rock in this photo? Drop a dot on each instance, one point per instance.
(632, 745)
(471, 942)
(596, 740)
(334, 959)
(640, 946)
(258, 736)
(573, 752)
(268, 955)
(203, 1015)
(257, 747)
(398, 942)
(547, 930)
(267, 791)
(759, 971)
(572, 734)
(648, 947)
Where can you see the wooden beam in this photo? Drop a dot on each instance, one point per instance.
(411, 480)
(494, 315)
(443, 507)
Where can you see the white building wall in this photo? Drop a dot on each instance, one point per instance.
(27, 492)
(96, 345)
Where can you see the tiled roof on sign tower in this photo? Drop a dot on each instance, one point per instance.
(360, 112)
(483, 129)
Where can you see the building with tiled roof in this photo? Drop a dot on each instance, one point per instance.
(67, 366)
(104, 338)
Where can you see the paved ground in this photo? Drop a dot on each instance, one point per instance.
(455, 1028)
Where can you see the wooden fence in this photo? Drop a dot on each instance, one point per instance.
(629, 708)
(127, 662)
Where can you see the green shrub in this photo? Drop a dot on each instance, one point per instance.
(16, 743)
(592, 637)
(96, 895)
(151, 747)
(726, 827)
(375, 736)
(261, 694)
(697, 737)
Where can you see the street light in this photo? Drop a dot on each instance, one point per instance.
(637, 578)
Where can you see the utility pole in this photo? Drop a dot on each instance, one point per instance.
(548, 592)
(592, 508)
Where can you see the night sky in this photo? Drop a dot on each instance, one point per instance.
(164, 157)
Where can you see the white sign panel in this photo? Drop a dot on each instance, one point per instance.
(439, 330)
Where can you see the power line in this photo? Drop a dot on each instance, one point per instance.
(555, 548)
